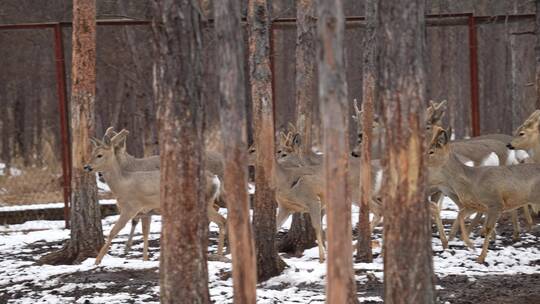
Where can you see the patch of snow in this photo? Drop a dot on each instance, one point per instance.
(47, 206)
(511, 160)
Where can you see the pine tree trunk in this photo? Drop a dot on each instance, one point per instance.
(301, 235)
(537, 53)
(269, 264)
(341, 287)
(408, 264)
(233, 126)
(306, 33)
(363, 247)
(184, 234)
(86, 232)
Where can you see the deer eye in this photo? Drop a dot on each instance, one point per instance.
(279, 151)
(431, 152)
(99, 156)
(522, 134)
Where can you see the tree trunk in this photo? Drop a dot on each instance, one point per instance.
(269, 264)
(306, 31)
(537, 53)
(233, 126)
(363, 247)
(408, 264)
(86, 232)
(184, 234)
(301, 235)
(340, 286)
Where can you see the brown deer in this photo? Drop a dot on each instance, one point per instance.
(213, 163)
(475, 151)
(490, 190)
(139, 191)
(527, 137)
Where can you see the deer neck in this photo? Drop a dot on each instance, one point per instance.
(457, 175)
(114, 175)
(535, 153)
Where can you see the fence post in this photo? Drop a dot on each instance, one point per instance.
(473, 63)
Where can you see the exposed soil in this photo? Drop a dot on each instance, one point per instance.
(455, 289)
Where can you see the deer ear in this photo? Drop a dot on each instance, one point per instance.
(109, 133)
(119, 138)
(442, 138)
(297, 141)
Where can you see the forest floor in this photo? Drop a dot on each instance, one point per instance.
(510, 275)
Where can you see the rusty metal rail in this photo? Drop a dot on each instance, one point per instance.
(468, 19)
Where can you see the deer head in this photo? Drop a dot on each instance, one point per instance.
(376, 128)
(103, 152)
(527, 135)
(435, 113)
(438, 151)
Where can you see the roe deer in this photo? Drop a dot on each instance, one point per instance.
(527, 137)
(213, 163)
(298, 189)
(139, 191)
(475, 150)
(491, 190)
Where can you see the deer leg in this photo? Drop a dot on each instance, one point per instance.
(217, 218)
(464, 213)
(492, 217)
(146, 220)
(476, 220)
(122, 221)
(129, 242)
(315, 214)
(528, 218)
(377, 219)
(515, 224)
(436, 213)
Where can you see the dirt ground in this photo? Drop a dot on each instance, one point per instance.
(455, 289)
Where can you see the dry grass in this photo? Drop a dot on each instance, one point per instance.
(32, 186)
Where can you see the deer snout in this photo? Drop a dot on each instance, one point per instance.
(88, 168)
(509, 146)
(354, 154)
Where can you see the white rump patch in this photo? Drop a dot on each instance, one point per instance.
(521, 155)
(251, 188)
(378, 181)
(469, 163)
(511, 160)
(491, 160)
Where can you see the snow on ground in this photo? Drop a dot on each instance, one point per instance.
(23, 281)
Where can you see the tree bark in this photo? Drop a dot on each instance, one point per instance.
(537, 53)
(301, 235)
(408, 264)
(340, 286)
(86, 232)
(369, 91)
(306, 33)
(269, 264)
(233, 126)
(177, 88)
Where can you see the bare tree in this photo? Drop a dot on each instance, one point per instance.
(86, 232)
(301, 235)
(269, 263)
(233, 126)
(369, 92)
(408, 264)
(178, 69)
(340, 286)
(537, 53)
